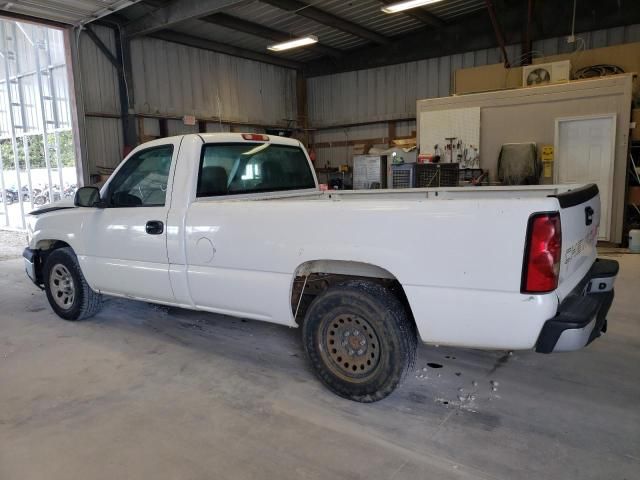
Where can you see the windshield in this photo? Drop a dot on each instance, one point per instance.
(236, 168)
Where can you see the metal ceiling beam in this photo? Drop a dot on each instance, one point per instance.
(190, 41)
(498, 32)
(527, 42)
(475, 32)
(326, 18)
(419, 14)
(175, 12)
(257, 30)
(10, 15)
(103, 48)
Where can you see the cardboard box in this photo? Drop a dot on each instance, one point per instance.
(405, 142)
(633, 196)
(495, 77)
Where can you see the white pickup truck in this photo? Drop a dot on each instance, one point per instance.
(236, 224)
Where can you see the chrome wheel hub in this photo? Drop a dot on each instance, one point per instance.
(350, 346)
(62, 286)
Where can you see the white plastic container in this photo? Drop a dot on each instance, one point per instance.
(634, 241)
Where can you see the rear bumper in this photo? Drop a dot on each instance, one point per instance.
(582, 316)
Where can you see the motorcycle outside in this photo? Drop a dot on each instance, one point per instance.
(45, 196)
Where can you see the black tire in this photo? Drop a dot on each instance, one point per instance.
(83, 301)
(359, 340)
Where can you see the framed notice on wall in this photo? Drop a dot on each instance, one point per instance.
(459, 127)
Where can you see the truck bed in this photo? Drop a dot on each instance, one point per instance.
(443, 193)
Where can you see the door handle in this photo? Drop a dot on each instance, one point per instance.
(154, 227)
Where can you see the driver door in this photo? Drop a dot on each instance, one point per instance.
(127, 246)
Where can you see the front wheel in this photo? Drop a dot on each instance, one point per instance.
(359, 340)
(67, 290)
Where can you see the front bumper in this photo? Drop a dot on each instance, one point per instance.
(31, 265)
(582, 316)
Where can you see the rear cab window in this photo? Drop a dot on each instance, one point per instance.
(252, 167)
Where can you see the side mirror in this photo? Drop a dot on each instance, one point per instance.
(88, 197)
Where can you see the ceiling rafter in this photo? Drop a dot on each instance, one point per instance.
(205, 44)
(325, 18)
(175, 12)
(257, 30)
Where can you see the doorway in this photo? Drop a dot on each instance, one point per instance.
(585, 152)
(37, 156)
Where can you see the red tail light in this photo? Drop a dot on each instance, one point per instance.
(255, 136)
(542, 256)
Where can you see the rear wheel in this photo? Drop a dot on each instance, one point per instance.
(360, 340)
(67, 290)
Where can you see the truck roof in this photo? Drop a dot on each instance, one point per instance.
(243, 137)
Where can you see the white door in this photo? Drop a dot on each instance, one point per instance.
(585, 151)
(127, 254)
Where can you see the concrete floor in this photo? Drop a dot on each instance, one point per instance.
(140, 392)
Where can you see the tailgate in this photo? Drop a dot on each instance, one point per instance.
(580, 221)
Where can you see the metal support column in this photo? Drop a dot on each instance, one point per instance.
(43, 116)
(498, 32)
(123, 54)
(25, 121)
(27, 166)
(56, 113)
(121, 61)
(10, 104)
(2, 191)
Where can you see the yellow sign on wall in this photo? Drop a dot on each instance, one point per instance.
(547, 160)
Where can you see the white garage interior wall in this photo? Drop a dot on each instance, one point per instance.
(390, 93)
(529, 114)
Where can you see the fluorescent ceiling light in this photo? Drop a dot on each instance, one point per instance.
(400, 6)
(295, 43)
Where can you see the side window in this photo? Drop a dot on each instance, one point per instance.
(142, 181)
(235, 168)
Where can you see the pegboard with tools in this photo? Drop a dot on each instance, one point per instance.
(451, 136)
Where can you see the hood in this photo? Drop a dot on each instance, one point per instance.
(52, 207)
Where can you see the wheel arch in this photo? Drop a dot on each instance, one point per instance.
(49, 244)
(43, 248)
(312, 277)
(343, 267)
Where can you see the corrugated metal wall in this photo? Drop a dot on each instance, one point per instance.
(171, 80)
(391, 92)
(99, 77)
(174, 80)
(100, 94)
